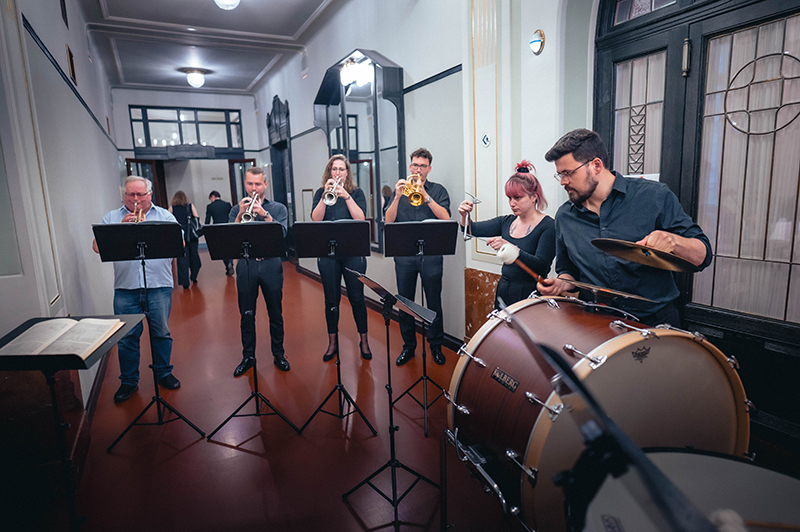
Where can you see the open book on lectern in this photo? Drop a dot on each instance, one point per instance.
(63, 336)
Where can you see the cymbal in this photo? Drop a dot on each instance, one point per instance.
(644, 255)
(606, 291)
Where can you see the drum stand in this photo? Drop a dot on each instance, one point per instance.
(424, 378)
(161, 405)
(255, 394)
(393, 463)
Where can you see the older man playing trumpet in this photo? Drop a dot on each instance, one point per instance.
(129, 292)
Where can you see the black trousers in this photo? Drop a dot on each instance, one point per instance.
(331, 272)
(430, 269)
(266, 274)
(189, 264)
(513, 291)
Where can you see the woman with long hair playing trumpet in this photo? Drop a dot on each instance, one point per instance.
(527, 228)
(340, 199)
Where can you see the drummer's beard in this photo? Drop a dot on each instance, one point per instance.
(579, 196)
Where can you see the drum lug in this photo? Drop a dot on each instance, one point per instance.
(499, 314)
(733, 362)
(463, 352)
(750, 456)
(551, 302)
(516, 512)
(619, 325)
(696, 336)
(750, 406)
(461, 409)
(553, 411)
(530, 471)
(594, 362)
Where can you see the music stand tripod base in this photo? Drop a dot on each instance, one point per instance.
(393, 463)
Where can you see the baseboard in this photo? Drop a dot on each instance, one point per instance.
(450, 342)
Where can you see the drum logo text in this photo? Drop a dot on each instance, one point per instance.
(641, 353)
(611, 524)
(505, 379)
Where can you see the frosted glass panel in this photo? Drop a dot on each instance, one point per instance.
(793, 308)
(656, 72)
(639, 81)
(743, 53)
(730, 214)
(652, 138)
(620, 162)
(715, 103)
(765, 95)
(770, 38)
(768, 68)
(787, 115)
(710, 174)
(762, 122)
(703, 285)
(783, 196)
(791, 90)
(756, 196)
(623, 96)
(734, 282)
(736, 100)
(719, 51)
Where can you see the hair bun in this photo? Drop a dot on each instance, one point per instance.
(524, 167)
(523, 170)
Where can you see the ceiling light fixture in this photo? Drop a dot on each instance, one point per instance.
(227, 5)
(195, 77)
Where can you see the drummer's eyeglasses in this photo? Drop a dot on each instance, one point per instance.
(567, 174)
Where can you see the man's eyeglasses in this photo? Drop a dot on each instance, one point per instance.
(136, 194)
(419, 166)
(567, 174)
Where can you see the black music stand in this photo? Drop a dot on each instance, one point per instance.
(427, 316)
(141, 241)
(417, 239)
(49, 365)
(341, 238)
(253, 240)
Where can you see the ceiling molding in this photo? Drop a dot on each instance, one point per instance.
(264, 72)
(117, 60)
(171, 88)
(311, 19)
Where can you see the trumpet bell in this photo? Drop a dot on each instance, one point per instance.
(412, 190)
(329, 197)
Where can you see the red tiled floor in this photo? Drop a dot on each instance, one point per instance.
(258, 473)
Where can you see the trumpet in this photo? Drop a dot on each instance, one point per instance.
(413, 189)
(138, 213)
(247, 215)
(330, 197)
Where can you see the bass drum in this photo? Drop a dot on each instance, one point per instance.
(764, 499)
(667, 388)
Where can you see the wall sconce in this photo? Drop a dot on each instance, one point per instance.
(537, 42)
(195, 77)
(227, 5)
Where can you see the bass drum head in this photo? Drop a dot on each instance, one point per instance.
(670, 391)
(711, 483)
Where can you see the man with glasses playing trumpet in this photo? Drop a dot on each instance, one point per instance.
(129, 292)
(340, 199)
(417, 199)
(266, 273)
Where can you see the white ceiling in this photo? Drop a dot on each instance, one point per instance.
(146, 42)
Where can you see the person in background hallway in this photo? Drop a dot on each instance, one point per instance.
(188, 265)
(604, 204)
(264, 273)
(435, 205)
(527, 228)
(129, 293)
(218, 211)
(350, 204)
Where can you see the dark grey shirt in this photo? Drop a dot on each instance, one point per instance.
(408, 213)
(339, 210)
(633, 209)
(536, 250)
(276, 210)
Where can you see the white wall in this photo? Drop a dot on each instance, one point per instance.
(196, 178)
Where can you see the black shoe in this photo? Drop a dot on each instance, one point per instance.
(125, 391)
(229, 273)
(405, 356)
(194, 281)
(169, 382)
(366, 355)
(282, 363)
(438, 356)
(244, 365)
(328, 356)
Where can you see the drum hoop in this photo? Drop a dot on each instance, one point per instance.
(474, 343)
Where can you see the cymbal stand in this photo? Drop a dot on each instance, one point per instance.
(255, 394)
(393, 462)
(161, 405)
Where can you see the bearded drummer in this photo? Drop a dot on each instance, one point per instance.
(604, 204)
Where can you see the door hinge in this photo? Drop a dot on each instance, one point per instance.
(687, 57)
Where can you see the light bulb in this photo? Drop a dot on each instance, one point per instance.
(195, 78)
(227, 5)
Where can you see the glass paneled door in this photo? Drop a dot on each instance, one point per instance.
(749, 171)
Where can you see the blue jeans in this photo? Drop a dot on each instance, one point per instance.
(132, 302)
